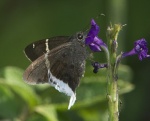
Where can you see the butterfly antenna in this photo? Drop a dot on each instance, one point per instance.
(86, 28)
(99, 15)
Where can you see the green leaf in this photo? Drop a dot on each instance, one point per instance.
(11, 73)
(14, 81)
(97, 112)
(48, 111)
(10, 107)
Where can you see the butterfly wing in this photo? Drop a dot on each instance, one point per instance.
(66, 64)
(62, 67)
(37, 72)
(38, 48)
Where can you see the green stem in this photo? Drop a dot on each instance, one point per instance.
(112, 96)
(112, 86)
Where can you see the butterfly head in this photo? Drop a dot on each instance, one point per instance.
(80, 37)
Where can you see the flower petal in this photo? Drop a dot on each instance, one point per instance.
(89, 40)
(94, 29)
(140, 48)
(141, 45)
(94, 47)
(92, 32)
(132, 52)
(97, 66)
(92, 38)
(98, 41)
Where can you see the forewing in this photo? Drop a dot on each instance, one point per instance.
(37, 70)
(38, 48)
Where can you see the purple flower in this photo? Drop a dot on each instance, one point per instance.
(92, 38)
(97, 66)
(140, 48)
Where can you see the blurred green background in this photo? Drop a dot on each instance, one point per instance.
(25, 21)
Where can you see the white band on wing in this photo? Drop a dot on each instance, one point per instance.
(60, 85)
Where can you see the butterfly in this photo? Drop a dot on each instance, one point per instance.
(59, 61)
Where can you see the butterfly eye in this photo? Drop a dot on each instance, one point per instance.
(80, 36)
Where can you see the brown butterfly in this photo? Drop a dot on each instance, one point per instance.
(59, 61)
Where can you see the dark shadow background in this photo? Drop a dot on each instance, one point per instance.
(24, 21)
